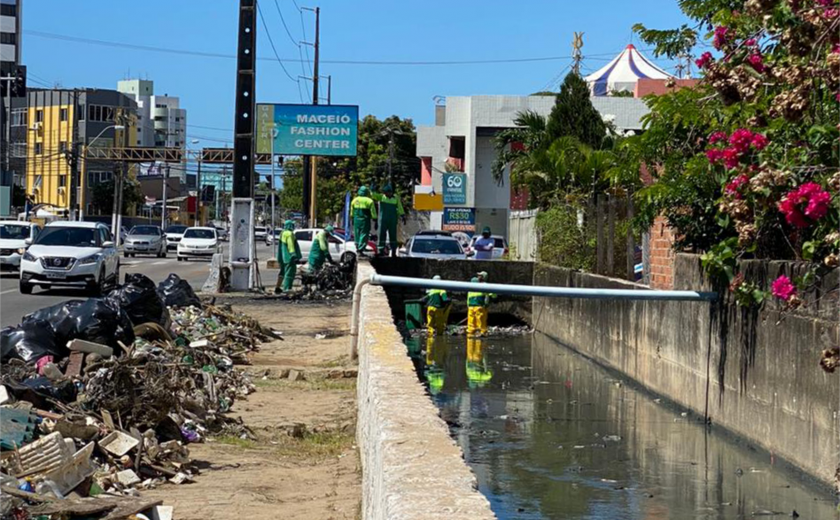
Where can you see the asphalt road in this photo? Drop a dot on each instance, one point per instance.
(14, 305)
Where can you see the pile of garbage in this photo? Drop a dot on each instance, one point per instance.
(101, 398)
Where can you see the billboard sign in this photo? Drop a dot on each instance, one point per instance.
(323, 130)
(454, 188)
(459, 219)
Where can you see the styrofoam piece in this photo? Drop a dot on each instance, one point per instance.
(163, 512)
(118, 443)
(128, 477)
(45, 454)
(73, 472)
(4, 395)
(90, 347)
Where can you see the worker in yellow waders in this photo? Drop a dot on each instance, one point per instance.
(478, 374)
(477, 303)
(437, 310)
(436, 354)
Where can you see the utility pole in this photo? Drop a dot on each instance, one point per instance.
(577, 55)
(391, 156)
(73, 159)
(313, 162)
(199, 195)
(163, 208)
(329, 89)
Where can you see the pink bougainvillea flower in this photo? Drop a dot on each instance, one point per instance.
(714, 155)
(756, 62)
(816, 200)
(721, 37)
(741, 140)
(759, 141)
(717, 137)
(734, 187)
(749, 43)
(704, 60)
(731, 158)
(783, 288)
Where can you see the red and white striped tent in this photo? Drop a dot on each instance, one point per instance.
(623, 72)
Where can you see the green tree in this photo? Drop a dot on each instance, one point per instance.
(102, 196)
(574, 115)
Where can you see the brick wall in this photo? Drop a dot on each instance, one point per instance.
(661, 255)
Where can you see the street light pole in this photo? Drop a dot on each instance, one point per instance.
(271, 187)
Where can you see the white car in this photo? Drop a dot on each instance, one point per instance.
(500, 247)
(71, 254)
(199, 242)
(173, 235)
(260, 233)
(145, 240)
(340, 249)
(441, 247)
(13, 235)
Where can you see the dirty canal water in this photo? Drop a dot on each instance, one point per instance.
(550, 434)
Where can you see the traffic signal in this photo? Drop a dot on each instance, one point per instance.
(19, 82)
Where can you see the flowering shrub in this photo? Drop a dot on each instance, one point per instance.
(783, 289)
(748, 162)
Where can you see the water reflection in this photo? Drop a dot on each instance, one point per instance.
(550, 434)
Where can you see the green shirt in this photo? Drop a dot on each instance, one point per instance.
(363, 207)
(479, 299)
(289, 247)
(389, 207)
(437, 298)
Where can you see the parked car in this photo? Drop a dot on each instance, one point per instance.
(500, 246)
(13, 235)
(146, 240)
(221, 232)
(123, 234)
(260, 232)
(442, 247)
(432, 233)
(272, 238)
(199, 242)
(340, 249)
(71, 254)
(173, 235)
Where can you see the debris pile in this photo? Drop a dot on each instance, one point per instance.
(100, 398)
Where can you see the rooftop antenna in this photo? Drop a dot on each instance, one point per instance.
(577, 55)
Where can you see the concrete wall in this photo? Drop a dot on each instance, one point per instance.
(411, 467)
(753, 373)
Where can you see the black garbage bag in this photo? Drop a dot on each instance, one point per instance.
(39, 391)
(177, 292)
(99, 320)
(140, 300)
(30, 342)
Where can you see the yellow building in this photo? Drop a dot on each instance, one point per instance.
(58, 119)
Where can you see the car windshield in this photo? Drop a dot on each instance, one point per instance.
(434, 246)
(176, 229)
(199, 233)
(500, 243)
(145, 230)
(14, 231)
(67, 236)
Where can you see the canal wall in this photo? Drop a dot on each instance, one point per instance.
(518, 273)
(411, 467)
(753, 372)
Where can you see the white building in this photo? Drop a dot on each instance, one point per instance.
(161, 122)
(462, 141)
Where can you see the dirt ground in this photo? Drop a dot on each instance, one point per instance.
(303, 462)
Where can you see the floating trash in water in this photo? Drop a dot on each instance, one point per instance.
(612, 438)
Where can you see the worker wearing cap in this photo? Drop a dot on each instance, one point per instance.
(320, 251)
(437, 310)
(477, 303)
(484, 245)
(482, 276)
(390, 209)
(363, 209)
(289, 254)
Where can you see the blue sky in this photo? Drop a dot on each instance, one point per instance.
(360, 30)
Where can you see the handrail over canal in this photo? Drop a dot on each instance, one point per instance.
(515, 290)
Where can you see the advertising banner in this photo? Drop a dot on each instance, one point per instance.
(322, 130)
(459, 219)
(454, 188)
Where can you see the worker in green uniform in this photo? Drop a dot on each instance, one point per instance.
(477, 303)
(289, 254)
(363, 209)
(320, 251)
(390, 209)
(437, 310)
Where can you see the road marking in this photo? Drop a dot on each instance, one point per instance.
(9, 290)
(161, 262)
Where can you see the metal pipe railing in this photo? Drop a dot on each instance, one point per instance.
(516, 290)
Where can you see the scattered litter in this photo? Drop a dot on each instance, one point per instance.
(118, 443)
(127, 477)
(612, 438)
(320, 336)
(89, 347)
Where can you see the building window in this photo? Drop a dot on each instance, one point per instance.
(62, 180)
(39, 148)
(100, 113)
(8, 9)
(7, 38)
(39, 116)
(19, 115)
(82, 112)
(63, 114)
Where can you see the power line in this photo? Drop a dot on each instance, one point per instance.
(188, 52)
(283, 19)
(273, 48)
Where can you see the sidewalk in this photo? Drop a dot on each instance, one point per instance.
(302, 462)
